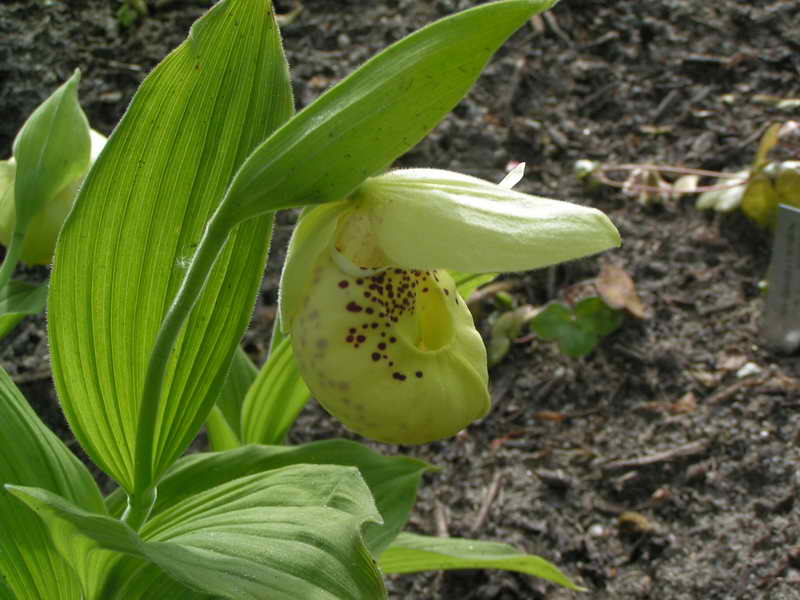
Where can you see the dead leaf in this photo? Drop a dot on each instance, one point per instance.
(497, 442)
(686, 184)
(731, 361)
(768, 141)
(618, 291)
(635, 522)
(491, 289)
(537, 23)
(685, 404)
(760, 200)
(705, 378)
(550, 415)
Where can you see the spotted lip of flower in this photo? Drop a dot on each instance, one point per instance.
(380, 333)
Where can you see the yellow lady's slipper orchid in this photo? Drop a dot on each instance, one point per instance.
(381, 336)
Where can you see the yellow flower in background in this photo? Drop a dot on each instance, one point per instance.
(381, 336)
(44, 227)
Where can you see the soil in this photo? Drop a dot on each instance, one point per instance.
(648, 469)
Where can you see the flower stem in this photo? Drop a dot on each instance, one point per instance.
(214, 238)
(139, 507)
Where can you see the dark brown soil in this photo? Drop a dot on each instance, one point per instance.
(648, 469)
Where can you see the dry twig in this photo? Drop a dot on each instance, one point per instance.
(690, 449)
(488, 499)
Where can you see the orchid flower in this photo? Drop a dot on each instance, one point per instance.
(380, 333)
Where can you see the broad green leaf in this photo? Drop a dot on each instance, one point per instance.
(466, 283)
(30, 454)
(289, 533)
(411, 553)
(5, 592)
(122, 253)
(275, 399)
(361, 125)
(133, 578)
(18, 300)
(393, 480)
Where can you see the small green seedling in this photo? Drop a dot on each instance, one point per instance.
(579, 329)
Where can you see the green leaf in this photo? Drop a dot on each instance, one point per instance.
(393, 480)
(122, 253)
(411, 553)
(578, 342)
(32, 455)
(290, 533)
(18, 300)
(133, 578)
(553, 322)
(361, 125)
(52, 151)
(466, 283)
(558, 323)
(275, 399)
(6, 593)
(241, 376)
(221, 435)
(594, 315)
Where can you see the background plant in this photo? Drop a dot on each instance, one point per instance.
(144, 208)
(771, 179)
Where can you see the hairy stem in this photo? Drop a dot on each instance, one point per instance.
(139, 507)
(214, 238)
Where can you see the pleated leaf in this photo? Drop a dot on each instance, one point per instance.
(133, 578)
(360, 126)
(411, 553)
(393, 480)
(276, 397)
(241, 376)
(122, 253)
(224, 421)
(286, 534)
(32, 455)
(221, 435)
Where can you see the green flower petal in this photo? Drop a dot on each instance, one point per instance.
(429, 218)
